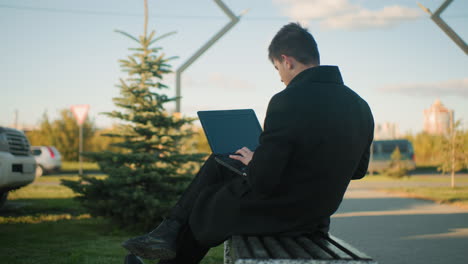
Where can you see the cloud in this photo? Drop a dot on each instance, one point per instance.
(367, 19)
(444, 88)
(342, 14)
(315, 9)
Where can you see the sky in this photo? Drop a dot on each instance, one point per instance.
(58, 53)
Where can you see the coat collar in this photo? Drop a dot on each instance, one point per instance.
(321, 74)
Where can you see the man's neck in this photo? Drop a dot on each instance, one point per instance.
(299, 67)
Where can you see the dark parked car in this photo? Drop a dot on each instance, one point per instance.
(382, 152)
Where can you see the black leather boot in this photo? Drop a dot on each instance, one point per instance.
(166, 261)
(132, 259)
(158, 244)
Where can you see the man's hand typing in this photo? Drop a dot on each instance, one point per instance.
(245, 155)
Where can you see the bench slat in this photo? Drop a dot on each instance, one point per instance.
(257, 248)
(331, 248)
(347, 247)
(316, 251)
(240, 247)
(294, 248)
(275, 248)
(310, 249)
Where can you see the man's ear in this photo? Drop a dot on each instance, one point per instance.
(289, 61)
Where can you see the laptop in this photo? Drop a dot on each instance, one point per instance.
(230, 130)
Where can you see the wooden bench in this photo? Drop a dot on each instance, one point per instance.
(305, 249)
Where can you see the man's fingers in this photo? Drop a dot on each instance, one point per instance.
(236, 157)
(242, 159)
(243, 151)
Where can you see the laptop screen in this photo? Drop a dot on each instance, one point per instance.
(230, 130)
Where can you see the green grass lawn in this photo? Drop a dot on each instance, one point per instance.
(438, 178)
(42, 223)
(446, 195)
(74, 166)
(440, 194)
(52, 179)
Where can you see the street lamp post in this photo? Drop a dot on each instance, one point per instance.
(446, 28)
(226, 28)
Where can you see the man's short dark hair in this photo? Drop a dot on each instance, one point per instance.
(295, 41)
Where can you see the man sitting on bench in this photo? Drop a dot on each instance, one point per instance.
(317, 136)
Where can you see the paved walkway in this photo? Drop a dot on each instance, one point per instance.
(425, 180)
(395, 230)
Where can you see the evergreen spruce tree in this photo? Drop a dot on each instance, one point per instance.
(147, 177)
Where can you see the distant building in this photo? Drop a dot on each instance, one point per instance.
(437, 119)
(386, 131)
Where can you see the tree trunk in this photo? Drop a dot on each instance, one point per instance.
(452, 130)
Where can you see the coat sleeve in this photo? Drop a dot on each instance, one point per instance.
(363, 165)
(274, 151)
(364, 162)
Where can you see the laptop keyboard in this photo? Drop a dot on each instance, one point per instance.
(232, 162)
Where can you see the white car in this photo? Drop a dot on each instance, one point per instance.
(48, 159)
(17, 165)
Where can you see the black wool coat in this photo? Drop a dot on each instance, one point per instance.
(316, 138)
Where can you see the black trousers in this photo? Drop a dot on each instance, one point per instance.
(189, 251)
